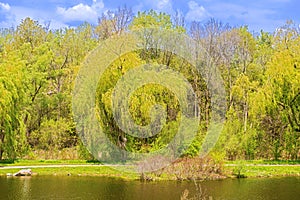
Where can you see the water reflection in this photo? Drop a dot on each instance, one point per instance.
(51, 187)
(26, 188)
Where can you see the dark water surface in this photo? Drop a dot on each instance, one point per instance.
(52, 187)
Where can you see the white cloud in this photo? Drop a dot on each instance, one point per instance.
(4, 6)
(81, 12)
(255, 17)
(196, 12)
(98, 6)
(164, 4)
(11, 16)
(157, 5)
(23, 12)
(7, 18)
(53, 24)
(14, 16)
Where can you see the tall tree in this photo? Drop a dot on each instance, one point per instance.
(113, 22)
(12, 95)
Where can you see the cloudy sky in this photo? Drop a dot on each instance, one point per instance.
(257, 14)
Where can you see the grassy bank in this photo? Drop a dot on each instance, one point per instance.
(260, 168)
(45, 162)
(89, 168)
(78, 171)
(264, 162)
(68, 168)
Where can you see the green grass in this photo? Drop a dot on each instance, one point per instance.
(95, 168)
(45, 162)
(261, 168)
(119, 172)
(265, 162)
(231, 169)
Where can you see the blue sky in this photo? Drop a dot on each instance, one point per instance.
(257, 14)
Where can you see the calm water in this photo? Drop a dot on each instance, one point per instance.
(51, 187)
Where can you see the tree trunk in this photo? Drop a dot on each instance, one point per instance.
(1, 144)
(245, 115)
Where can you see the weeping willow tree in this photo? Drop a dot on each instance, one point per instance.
(12, 129)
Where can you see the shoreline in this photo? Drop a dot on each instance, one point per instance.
(230, 170)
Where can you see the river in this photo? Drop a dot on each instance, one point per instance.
(74, 187)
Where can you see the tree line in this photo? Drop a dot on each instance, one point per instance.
(261, 74)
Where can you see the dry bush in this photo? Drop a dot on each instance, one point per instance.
(195, 169)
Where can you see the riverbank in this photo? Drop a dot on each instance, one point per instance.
(68, 168)
(234, 169)
(260, 168)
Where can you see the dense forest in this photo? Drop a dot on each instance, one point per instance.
(261, 73)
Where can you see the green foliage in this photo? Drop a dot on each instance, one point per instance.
(151, 19)
(53, 135)
(38, 68)
(12, 95)
(261, 74)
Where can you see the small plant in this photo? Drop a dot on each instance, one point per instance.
(238, 170)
